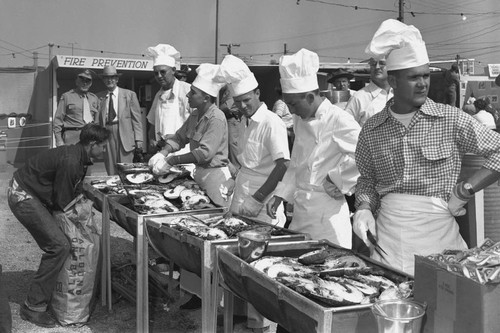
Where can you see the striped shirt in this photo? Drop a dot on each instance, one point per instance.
(422, 159)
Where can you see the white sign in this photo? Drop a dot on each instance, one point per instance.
(99, 63)
(11, 122)
(493, 70)
(22, 121)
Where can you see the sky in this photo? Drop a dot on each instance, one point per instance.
(260, 30)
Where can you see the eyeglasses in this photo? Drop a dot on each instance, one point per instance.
(85, 80)
(381, 63)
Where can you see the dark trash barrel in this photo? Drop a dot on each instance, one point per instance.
(470, 164)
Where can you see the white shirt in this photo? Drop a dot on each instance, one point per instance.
(325, 145)
(485, 118)
(367, 101)
(170, 109)
(263, 142)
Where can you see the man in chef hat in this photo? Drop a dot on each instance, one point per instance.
(263, 154)
(322, 169)
(205, 131)
(170, 107)
(409, 158)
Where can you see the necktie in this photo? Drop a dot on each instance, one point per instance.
(111, 109)
(87, 116)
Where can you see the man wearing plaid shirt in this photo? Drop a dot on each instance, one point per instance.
(409, 157)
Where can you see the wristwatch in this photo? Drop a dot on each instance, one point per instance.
(469, 189)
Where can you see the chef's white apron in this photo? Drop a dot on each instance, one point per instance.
(210, 180)
(321, 216)
(169, 120)
(246, 184)
(412, 224)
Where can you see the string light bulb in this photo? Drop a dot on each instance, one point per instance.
(463, 16)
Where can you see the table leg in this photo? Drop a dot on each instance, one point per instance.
(228, 311)
(208, 306)
(142, 279)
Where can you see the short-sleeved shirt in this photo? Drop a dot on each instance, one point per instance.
(207, 138)
(263, 142)
(69, 111)
(54, 176)
(368, 101)
(170, 109)
(421, 159)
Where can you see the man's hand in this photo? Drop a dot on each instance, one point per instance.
(159, 164)
(272, 206)
(251, 207)
(331, 189)
(226, 189)
(458, 201)
(364, 221)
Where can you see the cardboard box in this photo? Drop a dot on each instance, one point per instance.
(455, 303)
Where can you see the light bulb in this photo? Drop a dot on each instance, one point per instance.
(463, 17)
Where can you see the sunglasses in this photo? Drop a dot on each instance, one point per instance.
(163, 72)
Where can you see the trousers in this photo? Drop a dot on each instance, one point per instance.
(42, 226)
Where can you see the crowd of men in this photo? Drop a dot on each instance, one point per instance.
(394, 148)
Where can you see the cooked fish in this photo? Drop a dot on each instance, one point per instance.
(139, 178)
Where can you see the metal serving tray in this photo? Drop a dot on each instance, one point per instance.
(285, 306)
(199, 256)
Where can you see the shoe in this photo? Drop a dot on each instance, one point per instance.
(193, 304)
(237, 319)
(266, 329)
(43, 319)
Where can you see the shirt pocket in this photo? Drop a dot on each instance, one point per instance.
(71, 107)
(252, 154)
(438, 159)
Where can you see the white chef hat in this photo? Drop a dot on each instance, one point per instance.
(209, 79)
(298, 72)
(237, 74)
(401, 44)
(164, 54)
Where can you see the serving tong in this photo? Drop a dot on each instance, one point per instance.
(376, 247)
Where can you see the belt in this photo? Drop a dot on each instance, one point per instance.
(111, 123)
(71, 129)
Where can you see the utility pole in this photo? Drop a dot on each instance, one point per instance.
(401, 11)
(51, 45)
(230, 46)
(72, 46)
(285, 51)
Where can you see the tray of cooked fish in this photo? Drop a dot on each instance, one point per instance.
(170, 193)
(303, 284)
(189, 239)
(96, 187)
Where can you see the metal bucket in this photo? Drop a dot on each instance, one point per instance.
(470, 164)
(336, 96)
(399, 316)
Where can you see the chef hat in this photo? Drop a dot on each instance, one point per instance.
(237, 74)
(401, 44)
(298, 72)
(209, 79)
(164, 54)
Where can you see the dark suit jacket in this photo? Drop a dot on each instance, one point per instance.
(129, 117)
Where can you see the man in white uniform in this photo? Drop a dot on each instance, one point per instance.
(371, 99)
(170, 107)
(262, 152)
(322, 168)
(409, 157)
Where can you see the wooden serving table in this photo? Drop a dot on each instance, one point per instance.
(281, 304)
(198, 256)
